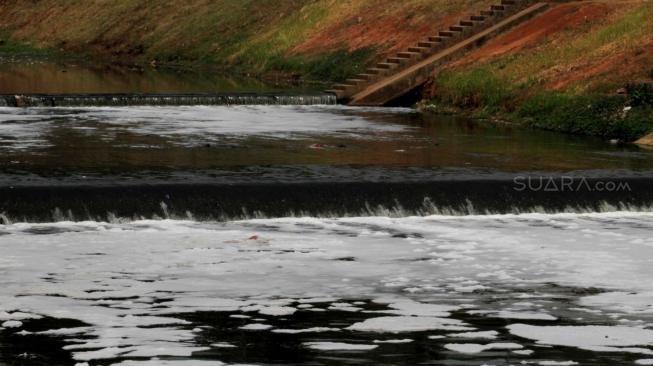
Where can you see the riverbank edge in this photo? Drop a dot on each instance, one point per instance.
(626, 116)
(319, 70)
(292, 73)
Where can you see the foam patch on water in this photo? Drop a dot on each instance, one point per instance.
(25, 128)
(128, 283)
(626, 302)
(478, 348)
(473, 335)
(171, 363)
(335, 346)
(592, 338)
(400, 324)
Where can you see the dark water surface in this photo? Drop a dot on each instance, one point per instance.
(33, 76)
(192, 139)
(311, 235)
(220, 162)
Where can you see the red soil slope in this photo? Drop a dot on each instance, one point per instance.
(559, 19)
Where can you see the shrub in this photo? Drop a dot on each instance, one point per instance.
(641, 93)
(598, 115)
(478, 88)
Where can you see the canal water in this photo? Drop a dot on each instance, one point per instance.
(316, 235)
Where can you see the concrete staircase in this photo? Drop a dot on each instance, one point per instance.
(411, 68)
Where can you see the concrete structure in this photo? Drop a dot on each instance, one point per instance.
(114, 100)
(410, 69)
(646, 140)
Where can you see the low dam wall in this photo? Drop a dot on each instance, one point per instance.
(79, 100)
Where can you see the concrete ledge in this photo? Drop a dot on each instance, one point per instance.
(646, 140)
(97, 100)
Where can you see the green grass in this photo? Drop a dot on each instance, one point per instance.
(614, 117)
(478, 89)
(513, 86)
(9, 47)
(24, 50)
(334, 66)
(241, 36)
(484, 94)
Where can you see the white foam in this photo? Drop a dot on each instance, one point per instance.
(223, 345)
(523, 315)
(157, 362)
(394, 341)
(593, 338)
(523, 352)
(278, 310)
(478, 348)
(208, 267)
(399, 324)
(626, 302)
(335, 346)
(185, 125)
(480, 335)
(12, 324)
(256, 326)
(413, 308)
(17, 315)
(307, 330)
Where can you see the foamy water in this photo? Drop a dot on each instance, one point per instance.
(498, 289)
(189, 125)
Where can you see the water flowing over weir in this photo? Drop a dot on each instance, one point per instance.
(115, 100)
(125, 239)
(229, 201)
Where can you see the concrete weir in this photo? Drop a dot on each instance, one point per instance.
(98, 100)
(646, 140)
(402, 73)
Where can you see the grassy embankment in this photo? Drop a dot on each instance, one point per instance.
(557, 72)
(561, 72)
(326, 40)
(11, 49)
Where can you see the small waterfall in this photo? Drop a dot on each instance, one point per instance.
(97, 100)
(226, 202)
(4, 220)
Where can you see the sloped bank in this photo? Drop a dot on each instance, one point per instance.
(319, 39)
(582, 68)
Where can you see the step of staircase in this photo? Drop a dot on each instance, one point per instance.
(407, 77)
(477, 28)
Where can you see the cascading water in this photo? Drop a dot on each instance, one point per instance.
(316, 235)
(114, 100)
(242, 201)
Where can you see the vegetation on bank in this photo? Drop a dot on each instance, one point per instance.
(569, 80)
(18, 50)
(327, 40)
(481, 93)
(560, 71)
